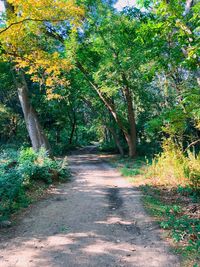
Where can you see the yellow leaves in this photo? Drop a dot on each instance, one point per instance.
(22, 63)
(27, 44)
(51, 95)
(183, 27)
(198, 124)
(52, 83)
(28, 38)
(44, 67)
(56, 10)
(49, 82)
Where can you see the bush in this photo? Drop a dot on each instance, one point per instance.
(19, 170)
(173, 167)
(192, 169)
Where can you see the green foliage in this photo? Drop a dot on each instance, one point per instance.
(130, 168)
(189, 191)
(108, 147)
(171, 192)
(18, 173)
(182, 228)
(77, 83)
(35, 166)
(174, 167)
(155, 48)
(129, 172)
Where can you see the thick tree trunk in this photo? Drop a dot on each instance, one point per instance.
(131, 146)
(36, 134)
(131, 138)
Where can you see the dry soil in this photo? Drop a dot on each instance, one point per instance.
(95, 220)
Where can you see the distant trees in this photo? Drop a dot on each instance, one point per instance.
(130, 77)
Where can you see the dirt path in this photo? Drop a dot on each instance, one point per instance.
(97, 220)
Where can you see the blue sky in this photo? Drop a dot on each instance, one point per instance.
(122, 3)
(1, 6)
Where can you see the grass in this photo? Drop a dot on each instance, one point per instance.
(175, 207)
(178, 220)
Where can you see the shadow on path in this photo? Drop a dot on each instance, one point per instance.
(95, 220)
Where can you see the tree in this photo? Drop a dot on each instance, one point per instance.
(20, 44)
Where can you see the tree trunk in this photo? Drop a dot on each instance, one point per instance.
(73, 124)
(36, 134)
(72, 132)
(116, 139)
(131, 139)
(131, 146)
(130, 135)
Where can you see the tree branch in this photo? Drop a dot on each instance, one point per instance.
(192, 144)
(29, 19)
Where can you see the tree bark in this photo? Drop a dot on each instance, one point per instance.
(116, 139)
(132, 137)
(36, 133)
(131, 134)
(73, 124)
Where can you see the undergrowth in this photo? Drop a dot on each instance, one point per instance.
(170, 182)
(23, 172)
(176, 217)
(175, 167)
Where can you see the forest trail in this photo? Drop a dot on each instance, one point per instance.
(95, 220)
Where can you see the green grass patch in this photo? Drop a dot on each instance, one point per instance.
(129, 167)
(127, 172)
(180, 225)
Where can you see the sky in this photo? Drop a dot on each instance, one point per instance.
(1, 6)
(122, 3)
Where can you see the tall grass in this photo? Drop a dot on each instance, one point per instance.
(174, 167)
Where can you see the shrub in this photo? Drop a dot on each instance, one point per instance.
(173, 167)
(192, 169)
(19, 170)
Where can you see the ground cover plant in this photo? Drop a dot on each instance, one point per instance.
(170, 183)
(22, 173)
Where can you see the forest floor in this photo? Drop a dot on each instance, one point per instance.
(97, 219)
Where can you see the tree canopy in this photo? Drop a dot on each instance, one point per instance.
(80, 72)
(138, 67)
